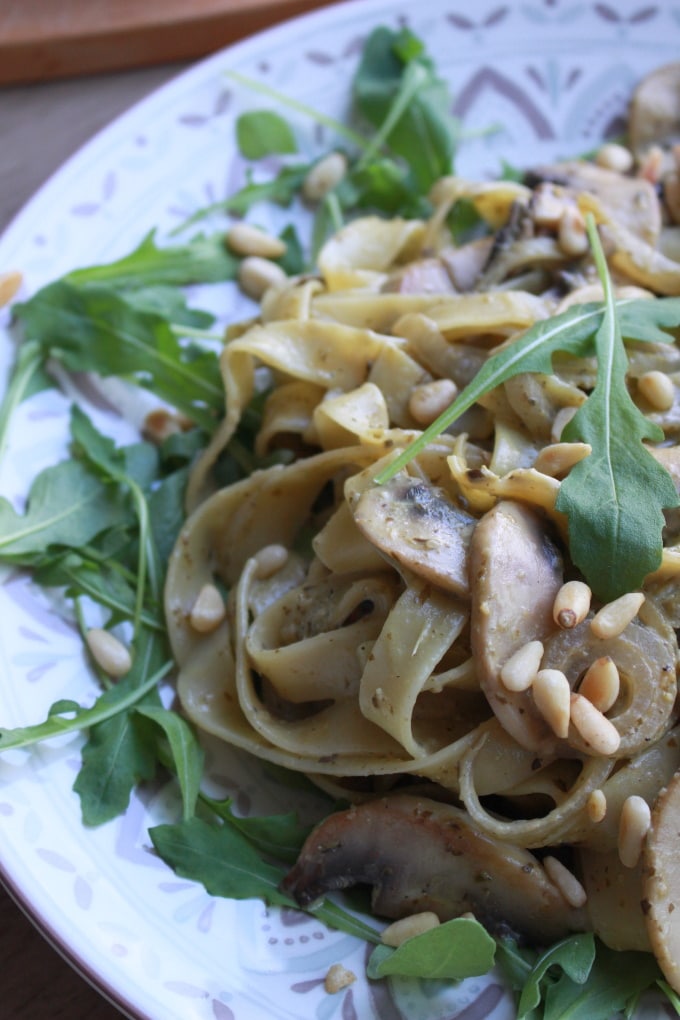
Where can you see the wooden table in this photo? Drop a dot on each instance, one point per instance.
(37, 983)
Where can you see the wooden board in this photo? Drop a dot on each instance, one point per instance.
(42, 39)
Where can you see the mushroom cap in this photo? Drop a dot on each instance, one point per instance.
(661, 881)
(419, 854)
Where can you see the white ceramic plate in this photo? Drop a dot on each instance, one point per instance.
(555, 76)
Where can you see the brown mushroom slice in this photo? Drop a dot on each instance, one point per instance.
(419, 854)
(614, 895)
(418, 527)
(661, 882)
(645, 655)
(515, 574)
(630, 201)
(654, 117)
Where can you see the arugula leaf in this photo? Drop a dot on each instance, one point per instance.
(102, 453)
(452, 951)
(66, 506)
(278, 836)
(120, 751)
(225, 863)
(200, 260)
(398, 91)
(261, 133)
(221, 859)
(113, 701)
(100, 581)
(281, 190)
(187, 753)
(94, 329)
(615, 980)
(574, 955)
(615, 497)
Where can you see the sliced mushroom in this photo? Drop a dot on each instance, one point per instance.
(661, 882)
(422, 276)
(464, 264)
(630, 201)
(614, 894)
(515, 574)
(418, 527)
(654, 117)
(419, 854)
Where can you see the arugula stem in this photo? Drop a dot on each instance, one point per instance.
(295, 104)
(192, 332)
(55, 726)
(413, 80)
(28, 360)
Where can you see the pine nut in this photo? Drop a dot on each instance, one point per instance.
(572, 604)
(324, 176)
(618, 158)
(601, 683)
(634, 825)
(407, 927)
(547, 207)
(657, 388)
(256, 275)
(560, 421)
(337, 978)
(208, 610)
(108, 652)
(613, 618)
(596, 730)
(245, 239)
(558, 459)
(270, 559)
(521, 668)
(596, 806)
(565, 880)
(428, 401)
(571, 233)
(9, 285)
(552, 697)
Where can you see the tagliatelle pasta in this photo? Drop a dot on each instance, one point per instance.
(371, 660)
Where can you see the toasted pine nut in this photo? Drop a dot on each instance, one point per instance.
(108, 652)
(613, 618)
(601, 683)
(428, 400)
(658, 389)
(560, 421)
(407, 927)
(245, 239)
(594, 727)
(572, 604)
(208, 610)
(9, 285)
(552, 695)
(547, 207)
(596, 806)
(256, 275)
(634, 824)
(571, 233)
(270, 559)
(614, 157)
(565, 880)
(558, 459)
(324, 176)
(337, 978)
(521, 668)
(161, 423)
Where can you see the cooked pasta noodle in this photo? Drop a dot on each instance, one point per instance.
(375, 651)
